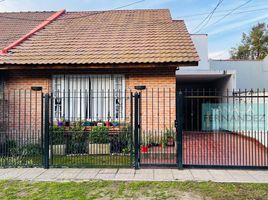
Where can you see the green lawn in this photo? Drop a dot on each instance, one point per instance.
(92, 161)
(69, 161)
(131, 190)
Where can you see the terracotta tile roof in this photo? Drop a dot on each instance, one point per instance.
(12, 28)
(110, 37)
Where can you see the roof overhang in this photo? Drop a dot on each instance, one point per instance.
(202, 75)
(96, 66)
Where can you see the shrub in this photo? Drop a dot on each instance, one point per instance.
(121, 143)
(57, 136)
(31, 150)
(77, 139)
(170, 133)
(99, 135)
(11, 148)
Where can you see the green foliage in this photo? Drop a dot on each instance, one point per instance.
(77, 139)
(153, 138)
(169, 133)
(57, 135)
(31, 150)
(121, 143)
(9, 147)
(254, 46)
(15, 161)
(99, 135)
(97, 189)
(78, 126)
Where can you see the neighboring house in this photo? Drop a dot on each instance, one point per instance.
(203, 77)
(222, 74)
(250, 74)
(99, 51)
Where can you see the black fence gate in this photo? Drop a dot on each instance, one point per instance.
(158, 135)
(225, 129)
(90, 129)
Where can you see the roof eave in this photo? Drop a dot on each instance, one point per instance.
(97, 66)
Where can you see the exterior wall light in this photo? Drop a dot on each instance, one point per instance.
(36, 88)
(140, 87)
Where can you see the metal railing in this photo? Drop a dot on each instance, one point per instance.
(225, 129)
(156, 127)
(21, 128)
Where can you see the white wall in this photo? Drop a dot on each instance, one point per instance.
(201, 44)
(249, 74)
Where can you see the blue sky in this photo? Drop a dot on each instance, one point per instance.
(222, 35)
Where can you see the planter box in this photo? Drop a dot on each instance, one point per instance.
(99, 148)
(59, 149)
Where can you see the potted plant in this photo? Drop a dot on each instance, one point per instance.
(144, 148)
(100, 123)
(61, 122)
(67, 123)
(99, 140)
(77, 139)
(169, 136)
(58, 146)
(87, 124)
(107, 123)
(115, 123)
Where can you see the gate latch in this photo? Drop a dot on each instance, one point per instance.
(175, 123)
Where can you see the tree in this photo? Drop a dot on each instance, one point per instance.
(254, 46)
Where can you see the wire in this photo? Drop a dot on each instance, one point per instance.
(219, 11)
(208, 17)
(236, 8)
(83, 16)
(95, 13)
(235, 13)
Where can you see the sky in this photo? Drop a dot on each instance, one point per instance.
(222, 35)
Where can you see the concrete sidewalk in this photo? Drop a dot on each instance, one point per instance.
(39, 174)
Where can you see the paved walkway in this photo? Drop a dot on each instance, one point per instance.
(39, 174)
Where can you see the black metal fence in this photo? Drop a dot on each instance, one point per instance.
(21, 129)
(114, 128)
(227, 129)
(157, 133)
(91, 129)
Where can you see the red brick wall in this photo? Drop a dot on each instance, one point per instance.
(158, 100)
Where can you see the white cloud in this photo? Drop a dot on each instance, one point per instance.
(237, 25)
(224, 54)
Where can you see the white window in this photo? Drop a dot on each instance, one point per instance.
(89, 97)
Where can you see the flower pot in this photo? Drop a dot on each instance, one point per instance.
(67, 123)
(170, 141)
(86, 123)
(96, 149)
(115, 124)
(60, 123)
(58, 149)
(144, 149)
(99, 124)
(108, 124)
(94, 123)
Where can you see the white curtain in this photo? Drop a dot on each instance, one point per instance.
(89, 97)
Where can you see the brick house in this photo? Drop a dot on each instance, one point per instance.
(74, 51)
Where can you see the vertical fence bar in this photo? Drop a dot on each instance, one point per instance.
(136, 130)
(46, 133)
(131, 127)
(179, 128)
